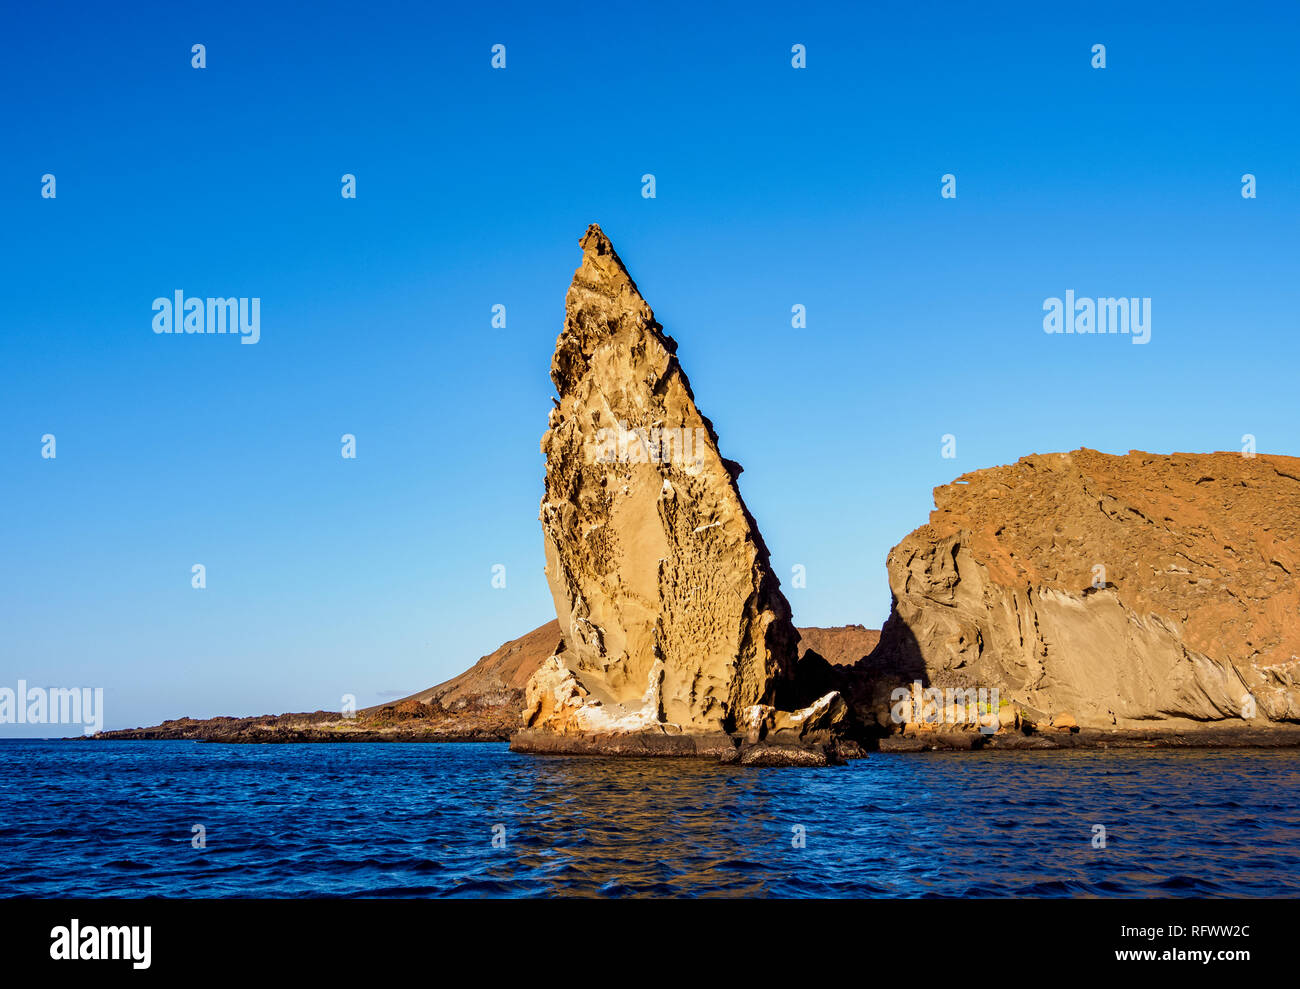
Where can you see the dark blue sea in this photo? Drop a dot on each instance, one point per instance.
(388, 820)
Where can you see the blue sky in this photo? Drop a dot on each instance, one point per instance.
(775, 186)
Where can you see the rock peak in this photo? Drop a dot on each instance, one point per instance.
(600, 262)
(602, 280)
(595, 241)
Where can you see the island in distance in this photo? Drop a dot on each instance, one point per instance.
(1067, 599)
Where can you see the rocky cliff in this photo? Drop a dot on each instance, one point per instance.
(1103, 591)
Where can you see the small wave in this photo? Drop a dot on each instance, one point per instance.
(281, 823)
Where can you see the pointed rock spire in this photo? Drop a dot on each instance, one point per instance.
(671, 616)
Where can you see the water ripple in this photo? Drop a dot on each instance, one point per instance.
(395, 820)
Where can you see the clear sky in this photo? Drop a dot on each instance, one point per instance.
(775, 186)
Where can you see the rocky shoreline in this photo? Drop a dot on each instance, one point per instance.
(319, 726)
(323, 727)
(1091, 738)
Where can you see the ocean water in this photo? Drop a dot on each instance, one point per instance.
(387, 820)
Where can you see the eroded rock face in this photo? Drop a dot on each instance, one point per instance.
(1108, 591)
(670, 614)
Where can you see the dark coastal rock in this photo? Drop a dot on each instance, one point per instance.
(703, 745)
(716, 746)
(823, 751)
(766, 754)
(1278, 737)
(391, 723)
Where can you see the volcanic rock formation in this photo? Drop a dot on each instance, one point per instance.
(1112, 591)
(672, 620)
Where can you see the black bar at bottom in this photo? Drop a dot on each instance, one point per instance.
(593, 939)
